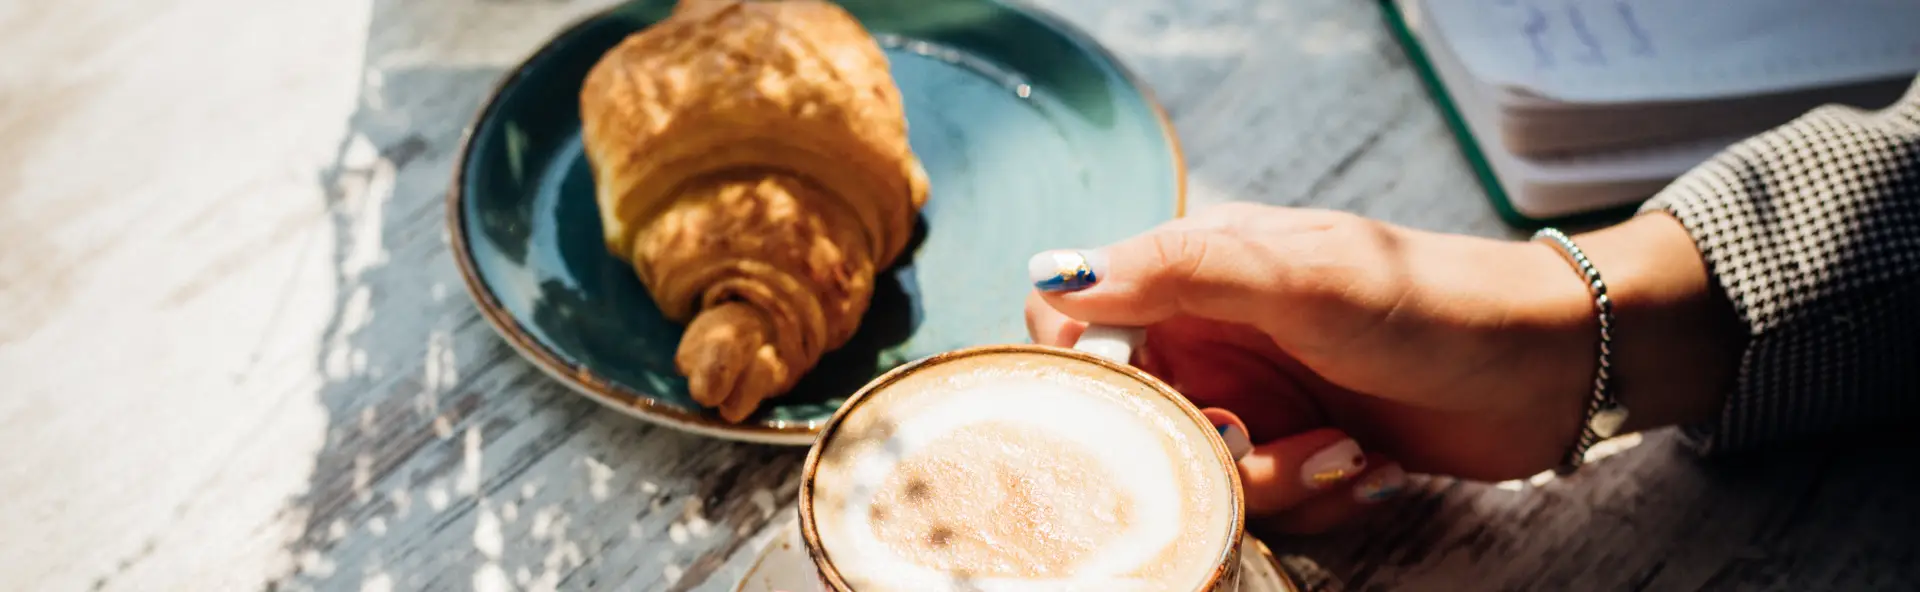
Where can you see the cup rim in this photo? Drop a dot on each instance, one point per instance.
(810, 535)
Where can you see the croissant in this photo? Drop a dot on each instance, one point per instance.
(751, 163)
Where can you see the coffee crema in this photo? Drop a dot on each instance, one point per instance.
(1020, 470)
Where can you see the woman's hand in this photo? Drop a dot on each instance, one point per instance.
(1347, 349)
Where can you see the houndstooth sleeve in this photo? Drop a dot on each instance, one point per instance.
(1813, 231)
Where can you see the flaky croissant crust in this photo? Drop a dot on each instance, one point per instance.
(751, 162)
(721, 84)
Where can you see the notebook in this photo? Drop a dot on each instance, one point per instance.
(1574, 109)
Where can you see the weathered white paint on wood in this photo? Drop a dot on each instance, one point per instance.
(236, 355)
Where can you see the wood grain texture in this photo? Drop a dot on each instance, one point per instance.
(237, 356)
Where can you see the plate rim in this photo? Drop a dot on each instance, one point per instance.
(646, 406)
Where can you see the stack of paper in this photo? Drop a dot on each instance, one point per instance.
(1576, 106)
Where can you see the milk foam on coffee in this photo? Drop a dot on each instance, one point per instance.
(1021, 471)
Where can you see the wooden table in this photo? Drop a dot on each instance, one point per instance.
(236, 354)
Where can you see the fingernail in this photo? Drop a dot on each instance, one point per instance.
(1333, 464)
(1237, 442)
(1380, 484)
(1066, 270)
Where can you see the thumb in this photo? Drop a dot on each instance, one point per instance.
(1161, 274)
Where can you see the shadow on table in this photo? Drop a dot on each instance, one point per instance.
(449, 462)
(1829, 515)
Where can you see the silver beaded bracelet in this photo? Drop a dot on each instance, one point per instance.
(1604, 414)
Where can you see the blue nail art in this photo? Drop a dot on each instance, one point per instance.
(1381, 484)
(1236, 440)
(1377, 492)
(1062, 271)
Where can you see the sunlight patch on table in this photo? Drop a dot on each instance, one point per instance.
(1611, 447)
(314, 564)
(695, 517)
(763, 500)
(543, 523)
(486, 533)
(489, 578)
(361, 158)
(442, 367)
(469, 481)
(599, 475)
(362, 476)
(1541, 479)
(437, 497)
(490, 543)
(670, 572)
(402, 501)
(1599, 451)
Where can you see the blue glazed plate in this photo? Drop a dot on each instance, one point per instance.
(1034, 137)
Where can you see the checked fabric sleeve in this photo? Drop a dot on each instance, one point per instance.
(1813, 231)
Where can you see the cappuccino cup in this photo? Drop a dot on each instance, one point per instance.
(1022, 467)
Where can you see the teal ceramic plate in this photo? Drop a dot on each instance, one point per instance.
(1034, 137)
